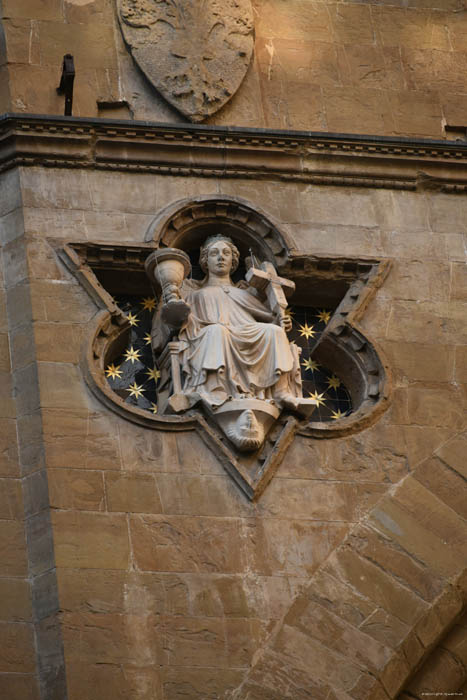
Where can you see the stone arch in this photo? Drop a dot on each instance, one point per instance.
(186, 223)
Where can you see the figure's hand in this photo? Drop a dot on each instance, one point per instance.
(286, 323)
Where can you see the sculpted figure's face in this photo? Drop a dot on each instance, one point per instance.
(219, 258)
(247, 433)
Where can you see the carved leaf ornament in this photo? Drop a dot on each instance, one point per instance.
(195, 52)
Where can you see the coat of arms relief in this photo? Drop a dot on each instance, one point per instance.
(195, 52)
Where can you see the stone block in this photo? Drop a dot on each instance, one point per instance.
(443, 674)
(336, 634)
(374, 67)
(95, 681)
(11, 499)
(57, 301)
(132, 493)
(40, 9)
(92, 590)
(377, 585)
(146, 450)
(90, 540)
(444, 69)
(35, 85)
(417, 280)
(294, 21)
(292, 547)
(13, 549)
(76, 489)
(394, 675)
(77, 12)
(441, 322)
(91, 44)
(318, 500)
(198, 683)
(378, 457)
(40, 543)
(423, 441)
(55, 223)
(416, 113)
(187, 494)
(58, 342)
(15, 262)
(175, 543)
(10, 191)
(19, 305)
(407, 27)
(22, 349)
(7, 404)
(407, 569)
(56, 188)
(320, 205)
(15, 600)
(453, 453)
(437, 405)
(401, 211)
(447, 484)
(8, 448)
(386, 628)
(82, 440)
(26, 390)
(352, 24)
(43, 262)
(420, 362)
(112, 639)
(323, 666)
(347, 107)
(411, 531)
(17, 644)
(340, 598)
(22, 41)
(61, 385)
(19, 687)
(459, 281)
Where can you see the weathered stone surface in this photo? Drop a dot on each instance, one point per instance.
(17, 643)
(15, 600)
(11, 499)
(13, 548)
(134, 493)
(447, 484)
(74, 489)
(176, 543)
(196, 56)
(90, 540)
(19, 687)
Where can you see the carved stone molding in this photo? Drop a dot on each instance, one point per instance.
(205, 151)
(195, 53)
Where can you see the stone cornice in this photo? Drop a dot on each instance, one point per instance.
(214, 151)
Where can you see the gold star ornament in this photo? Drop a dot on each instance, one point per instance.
(337, 414)
(307, 331)
(135, 390)
(334, 382)
(318, 397)
(324, 316)
(132, 355)
(310, 364)
(113, 372)
(153, 374)
(149, 303)
(133, 319)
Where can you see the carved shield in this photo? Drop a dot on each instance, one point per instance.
(195, 52)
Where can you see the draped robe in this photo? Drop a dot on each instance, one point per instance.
(232, 348)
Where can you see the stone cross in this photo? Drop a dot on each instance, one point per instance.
(276, 288)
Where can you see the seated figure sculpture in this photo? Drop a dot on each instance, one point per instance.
(234, 353)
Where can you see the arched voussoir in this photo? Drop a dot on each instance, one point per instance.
(386, 607)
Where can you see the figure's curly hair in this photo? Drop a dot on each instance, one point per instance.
(203, 253)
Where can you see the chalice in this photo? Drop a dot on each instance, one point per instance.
(168, 267)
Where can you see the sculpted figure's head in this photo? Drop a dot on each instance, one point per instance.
(217, 254)
(247, 433)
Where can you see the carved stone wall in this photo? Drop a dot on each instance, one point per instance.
(152, 575)
(358, 67)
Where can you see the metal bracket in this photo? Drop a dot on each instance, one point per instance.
(66, 83)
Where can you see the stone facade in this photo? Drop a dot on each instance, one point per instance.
(131, 565)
